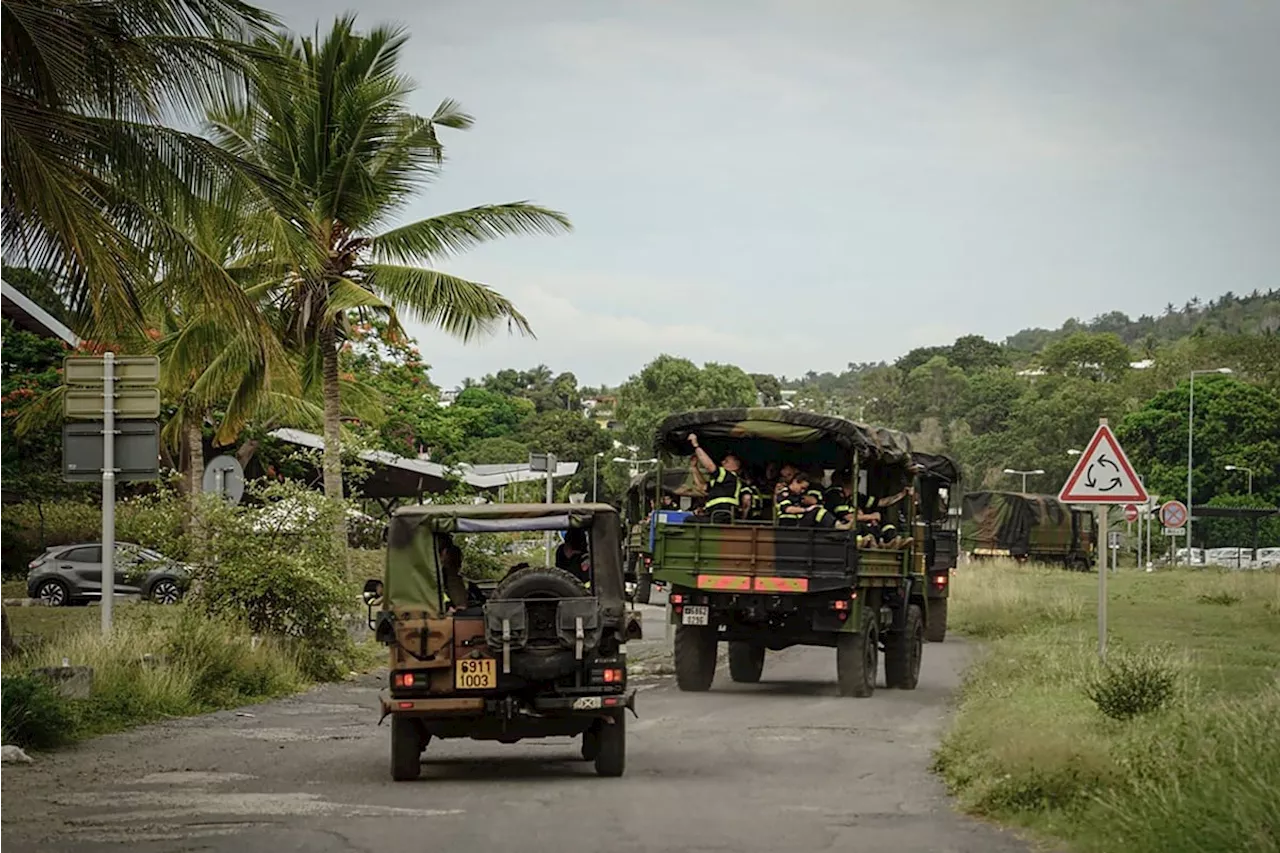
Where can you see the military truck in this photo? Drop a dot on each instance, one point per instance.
(643, 496)
(1026, 527)
(761, 586)
(541, 654)
(938, 500)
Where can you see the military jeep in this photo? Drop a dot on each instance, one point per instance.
(541, 654)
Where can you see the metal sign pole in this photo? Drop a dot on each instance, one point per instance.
(108, 489)
(1102, 586)
(551, 470)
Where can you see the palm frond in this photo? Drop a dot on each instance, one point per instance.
(461, 308)
(429, 240)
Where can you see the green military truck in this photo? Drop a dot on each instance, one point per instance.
(760, 586)
(938, 500)
(1026, 527)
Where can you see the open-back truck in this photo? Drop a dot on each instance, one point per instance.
(760, 586)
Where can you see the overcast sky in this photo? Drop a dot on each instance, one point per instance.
(792, 185)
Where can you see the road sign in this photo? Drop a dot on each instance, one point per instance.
(1173, 514)
(1131, 513)
(1103, 475)
(1113, 539)
(137, 452)
(86, 371)
(539, 462)
(224, 476)
(131, 403)
(1175, 531)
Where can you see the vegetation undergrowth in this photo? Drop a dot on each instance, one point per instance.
(1170, 746)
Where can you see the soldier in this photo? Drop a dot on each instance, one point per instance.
(724, 487)
(790, 503)
(572, 555)
(888, 531)
(817, 515)
(455, 588)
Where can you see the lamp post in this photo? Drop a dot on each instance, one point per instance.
(1248, 471)
(1191, 422)
(1024, 475)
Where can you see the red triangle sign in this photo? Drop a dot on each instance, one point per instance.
(1103, 475)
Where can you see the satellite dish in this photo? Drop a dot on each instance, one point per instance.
(224, 476)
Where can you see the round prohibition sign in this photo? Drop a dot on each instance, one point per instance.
(1173, 514)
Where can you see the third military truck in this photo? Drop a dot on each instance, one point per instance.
(760, 585)
(1039, 528)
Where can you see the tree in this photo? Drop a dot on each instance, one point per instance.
(338, 154)
(1103, 357)
(768, 387)
(88, 161)
(669, 384)
(974, 352)
(1235, 424)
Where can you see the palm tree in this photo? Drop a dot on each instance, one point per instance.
(88, 88)
(328, 125)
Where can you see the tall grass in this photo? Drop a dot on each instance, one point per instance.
(158, 663)
(1195, 769)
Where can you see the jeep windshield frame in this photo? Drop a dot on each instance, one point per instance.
(412, 574)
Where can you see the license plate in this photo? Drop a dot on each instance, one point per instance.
(695, 615)
(475, 674)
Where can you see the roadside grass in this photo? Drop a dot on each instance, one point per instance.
(1029, 746)
(159, 662)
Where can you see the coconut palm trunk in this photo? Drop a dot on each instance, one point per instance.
(332, 428)
(194, 439)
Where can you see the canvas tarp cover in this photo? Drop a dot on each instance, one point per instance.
(756, 433)
(412, 572)
(938, 465)
(1019, 523)
(675, 482)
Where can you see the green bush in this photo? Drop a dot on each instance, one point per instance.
(1131, 684)
(277, 570)
(33, 713)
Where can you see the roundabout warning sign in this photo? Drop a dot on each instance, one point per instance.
(1103, 475)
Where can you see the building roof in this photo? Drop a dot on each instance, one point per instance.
(400, 477)
(24, 313)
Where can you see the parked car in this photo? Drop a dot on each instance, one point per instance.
(69, 575)
(1269, 558)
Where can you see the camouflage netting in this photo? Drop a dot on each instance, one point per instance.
(1018, 523)
(809, 439)
(412, 575)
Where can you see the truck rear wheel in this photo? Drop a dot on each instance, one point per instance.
(904, 651)
(746, 662)
(695, 655)
(857, 659)
(644, 587)
(611, 757)
(407, 743)
(936, 629)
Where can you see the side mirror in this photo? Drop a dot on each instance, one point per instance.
(372, 591)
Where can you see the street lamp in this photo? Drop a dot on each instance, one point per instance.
(1191, 421)
(1073, 452)
(1248, 471)
(1024, 475)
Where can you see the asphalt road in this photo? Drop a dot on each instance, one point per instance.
(780, 766)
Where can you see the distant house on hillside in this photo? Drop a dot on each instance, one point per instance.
(448, 396)
(1033, 372)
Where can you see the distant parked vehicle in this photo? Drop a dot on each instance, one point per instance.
(71, 575)
(1268, 558)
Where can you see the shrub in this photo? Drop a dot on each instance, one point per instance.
(1131, 684)
(33, 713)
(278, 577)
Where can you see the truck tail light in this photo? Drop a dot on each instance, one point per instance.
(613, 676)
(676, 598)
(940, 580)
(840, 604)
(402, 679)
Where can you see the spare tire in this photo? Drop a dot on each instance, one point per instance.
(535, 582)
(543, 656)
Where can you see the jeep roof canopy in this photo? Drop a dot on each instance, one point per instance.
(754, 434)
(411, 572)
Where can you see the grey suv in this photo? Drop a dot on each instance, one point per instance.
(72, 575)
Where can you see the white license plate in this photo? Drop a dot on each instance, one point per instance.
(695, 615)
